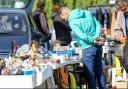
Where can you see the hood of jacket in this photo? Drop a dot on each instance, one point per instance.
(77, 13)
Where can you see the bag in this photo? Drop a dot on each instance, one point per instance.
(118, 50)
(118, 33)
(118, 46)
(64, 77)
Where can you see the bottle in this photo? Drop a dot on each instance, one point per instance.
(71, 51)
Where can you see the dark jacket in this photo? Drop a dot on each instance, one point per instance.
(36, 17)
(42, 25)
(62, 30)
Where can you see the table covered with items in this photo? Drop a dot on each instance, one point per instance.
(33, 67)
(29, 78)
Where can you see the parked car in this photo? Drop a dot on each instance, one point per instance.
(16, 28)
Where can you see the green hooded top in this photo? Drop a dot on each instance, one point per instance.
(85, 26)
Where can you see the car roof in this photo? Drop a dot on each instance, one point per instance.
(11, 10)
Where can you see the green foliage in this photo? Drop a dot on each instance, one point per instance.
(49, 9)
(71, 4)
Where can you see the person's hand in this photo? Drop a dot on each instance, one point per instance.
(99, 41)
(96, 40)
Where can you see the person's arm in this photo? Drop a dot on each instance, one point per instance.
(98, 28)
(96, 23)
(76, 29)
(44, 24)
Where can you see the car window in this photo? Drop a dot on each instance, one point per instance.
(12, 24)
(14, 3)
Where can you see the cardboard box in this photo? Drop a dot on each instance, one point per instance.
(121, 85)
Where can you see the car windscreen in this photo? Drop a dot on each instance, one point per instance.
(12, 24)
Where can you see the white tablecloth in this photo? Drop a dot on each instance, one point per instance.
(56, 66)
(27, 81)
(59, 65)
(18, 81)
(46, 74)
(32, 81)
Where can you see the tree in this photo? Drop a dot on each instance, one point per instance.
(49, 9)
(80, 3)
(71, 4)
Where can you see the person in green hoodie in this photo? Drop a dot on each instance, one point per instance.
(87, 29)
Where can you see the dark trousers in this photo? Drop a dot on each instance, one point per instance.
(92, 59)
